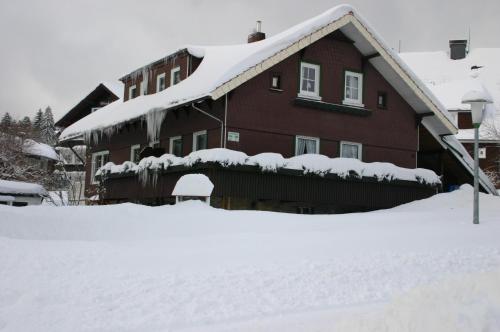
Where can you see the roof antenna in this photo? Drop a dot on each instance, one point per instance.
(468, 42)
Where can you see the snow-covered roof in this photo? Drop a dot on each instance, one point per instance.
(21, 188)
(223, 68)
(39, 149)
(451, 79)
(116, 87)
(5, 198)
(193, 185)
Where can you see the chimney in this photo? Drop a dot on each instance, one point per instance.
(458, 49)
(257, 34)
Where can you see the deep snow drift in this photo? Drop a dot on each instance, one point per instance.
(421, 267)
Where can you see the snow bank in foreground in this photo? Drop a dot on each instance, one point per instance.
(272, 162)
(190, 267)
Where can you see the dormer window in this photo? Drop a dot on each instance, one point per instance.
(132, 92)
(175, 76)
(160, 82)
(353, 89)
(309, 80)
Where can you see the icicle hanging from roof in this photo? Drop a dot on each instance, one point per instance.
(154, 119)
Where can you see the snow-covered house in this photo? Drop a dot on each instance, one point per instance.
(329, 86)
(449, 75)
(73, 152)
(18, 193)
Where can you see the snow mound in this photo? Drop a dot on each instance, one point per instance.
(197, 185)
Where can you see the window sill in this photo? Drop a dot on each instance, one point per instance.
(352, 103)
(275, 90)
(341, 108)
(310, 97)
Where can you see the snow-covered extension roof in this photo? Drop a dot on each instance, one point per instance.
(197, 185)
(21, 188)
(39, 149)
(224, 68)
(450, 80)
(272, 162)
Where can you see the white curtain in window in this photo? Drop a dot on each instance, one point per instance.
(350, 151)
(301, 146)
(310, 146)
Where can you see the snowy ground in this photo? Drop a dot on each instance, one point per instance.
(418, 267)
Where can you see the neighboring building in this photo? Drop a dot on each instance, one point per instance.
(18, 193)
(42, 153)
(450, 75)
(73, 152)
(326, 86)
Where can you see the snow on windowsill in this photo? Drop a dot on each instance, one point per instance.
(272, 162)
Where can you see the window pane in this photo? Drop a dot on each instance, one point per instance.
(201, 142)
(177, 147)
(350, 151)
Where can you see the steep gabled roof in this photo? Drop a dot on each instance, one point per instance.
(80, 110)
(224, 68)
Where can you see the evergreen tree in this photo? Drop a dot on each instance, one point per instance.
(37, 121)
(25, 122)
(48, 128)
(6, 122)
(25, 127)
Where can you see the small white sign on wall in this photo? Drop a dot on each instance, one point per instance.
(482, 153)
(233, 136)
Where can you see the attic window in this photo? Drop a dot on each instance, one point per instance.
(353, 89)
(175, 76)
(160, 82)
(309, 80)
(382, 100)
(132, 92)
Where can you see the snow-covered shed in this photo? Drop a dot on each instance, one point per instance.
(193, 186)
(17, 193)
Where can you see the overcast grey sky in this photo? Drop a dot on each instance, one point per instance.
(54, 52)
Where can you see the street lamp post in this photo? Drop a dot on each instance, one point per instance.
(477, 100)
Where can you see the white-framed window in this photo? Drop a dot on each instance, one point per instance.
(135, 151)
(155, 144)
(306, 145)
(175, 146)
(200, 140)
(309, 80)
(132, 92)
(351, 150)
(353, 89)
(99, 159)
(160, 82)
(175, 76)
